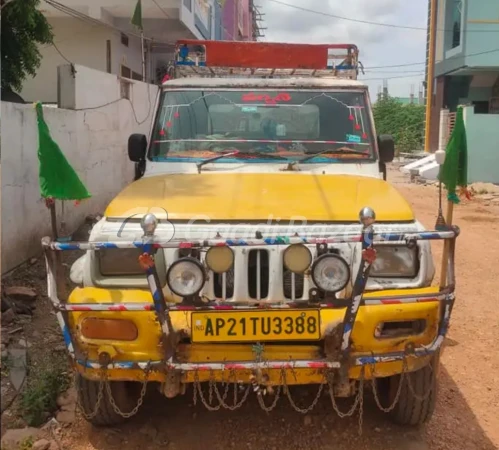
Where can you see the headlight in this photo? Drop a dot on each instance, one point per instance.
(119, 261)
(395, 261)
(330, 273)
(219, 259)
(185, 277)
(297, 258)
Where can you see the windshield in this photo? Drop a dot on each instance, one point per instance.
(262, 126)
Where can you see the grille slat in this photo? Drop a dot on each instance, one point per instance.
(292, 284)
(258, 274)
(223, 284)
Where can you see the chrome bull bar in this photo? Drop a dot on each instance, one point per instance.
(150, 244)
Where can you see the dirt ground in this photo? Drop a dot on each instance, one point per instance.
(467, 414)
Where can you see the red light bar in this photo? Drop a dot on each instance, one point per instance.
(256, 55)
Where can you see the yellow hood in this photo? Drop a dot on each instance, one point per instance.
(244, 196)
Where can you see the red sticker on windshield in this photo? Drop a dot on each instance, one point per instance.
(265, 98)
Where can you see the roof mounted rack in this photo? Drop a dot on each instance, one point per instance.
(242, 59)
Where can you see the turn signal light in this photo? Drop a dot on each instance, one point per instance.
(109, 329)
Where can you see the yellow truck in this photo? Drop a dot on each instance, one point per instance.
(260, 247)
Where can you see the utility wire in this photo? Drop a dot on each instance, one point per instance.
(161, 9)
(368, 22)
(392, 78)
(392, 71)
(76, 14)
(437, 61)
(62, 55)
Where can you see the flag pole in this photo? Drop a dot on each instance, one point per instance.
(456, 157)
(445, 254)
(143, 56)
(53, 220)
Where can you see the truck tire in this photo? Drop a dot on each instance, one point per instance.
(413, 410)
(125, 394)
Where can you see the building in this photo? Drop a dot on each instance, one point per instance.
(98, 34)
(466, 68)
(411, 100)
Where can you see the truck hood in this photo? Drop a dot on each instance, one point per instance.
(248, 197)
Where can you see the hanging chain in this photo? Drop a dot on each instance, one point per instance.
(358, 398)
(314, 402)
(100, 395)
(418, 397)
(134, 411)
(277, 395)
(399, 388)
(198, 390)
(283, 386)
(236, 404)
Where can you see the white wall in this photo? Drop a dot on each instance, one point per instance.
(130, 56)
(482, 135)
(81, 43)
(94, 142)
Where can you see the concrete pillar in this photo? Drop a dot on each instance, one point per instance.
(443, 132)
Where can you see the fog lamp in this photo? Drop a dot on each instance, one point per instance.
(297, 258)
(219, 259)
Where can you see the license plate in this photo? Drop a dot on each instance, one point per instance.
(241, 326)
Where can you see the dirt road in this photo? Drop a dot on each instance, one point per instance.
(467, 414)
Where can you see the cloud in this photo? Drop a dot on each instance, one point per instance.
(379, 45)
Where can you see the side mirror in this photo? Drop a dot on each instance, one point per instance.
(382, 169)
(137, 146)
(386, 147)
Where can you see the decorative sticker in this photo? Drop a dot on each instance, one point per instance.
(267, 99)
(353, 138)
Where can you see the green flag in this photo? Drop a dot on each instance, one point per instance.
(137, 16)
(57, 178)
(454, 171)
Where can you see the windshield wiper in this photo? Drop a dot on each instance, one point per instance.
(241, 155)
(334, 152)
(209, 160)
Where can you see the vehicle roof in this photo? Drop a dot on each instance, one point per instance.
(291, 82)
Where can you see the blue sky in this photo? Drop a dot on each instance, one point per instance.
(379, 46)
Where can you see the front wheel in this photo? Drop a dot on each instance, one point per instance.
(125, 395)
(418, 394)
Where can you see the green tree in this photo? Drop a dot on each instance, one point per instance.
(23, 28)
(404, 122)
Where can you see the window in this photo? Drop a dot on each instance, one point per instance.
(188, 4)
(108, 56)
(125, 72)
(124, 39)
(136, 76)
(262, 126)
(457, 17)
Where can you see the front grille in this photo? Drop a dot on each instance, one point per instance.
(219, 281)
(287, 284)
(258, 274)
